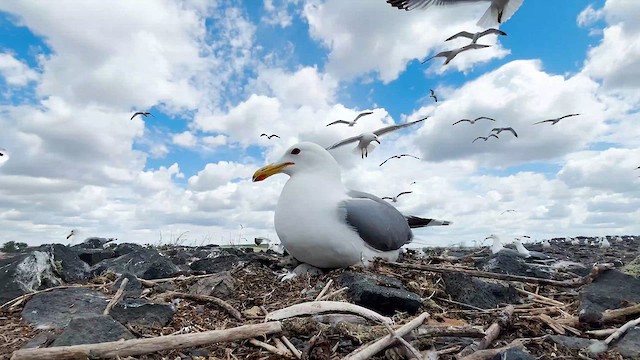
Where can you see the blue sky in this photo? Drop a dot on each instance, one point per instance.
(217, 76)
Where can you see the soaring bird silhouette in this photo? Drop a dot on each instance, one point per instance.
(475, 36)
(506, 211)
(395, 198)
(499, 130)
(453, 53)
(474, 120)
(269, 136)
(143, 113)
(433, 95)
(398, 157)
(485, 138)
(556, 120)
(351, 123)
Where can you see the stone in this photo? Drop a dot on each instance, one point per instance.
(629, 345)
(94, 256)
(606, 292)
(380, 293)
(133, 287)
(56, 308)
(92, 330)
(466, 289)
(125, 248)
(507, 262)
(68, 265)
(39, 341)
(142, 313)
(141, 262)
(220, 285)
(571, 342)
(215, 264)
(514, 354)
(93, 243)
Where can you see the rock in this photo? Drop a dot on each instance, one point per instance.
(571, 342)
(215, 264)
(510, 263)
(93, 243)
(56, 308)
(39, 341)
(91, 330)
(478, 293)
(605, 293)
(94, 256)
(633, 268)
(125, 248)
(142, 312)
(629, 345)
(133, 287)
(514, 354)
(68, 265)
(380, 293)
(142, 262)
(220, 285)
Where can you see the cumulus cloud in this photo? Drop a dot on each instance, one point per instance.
(15, 72)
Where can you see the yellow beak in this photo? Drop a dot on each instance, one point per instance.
(271, 169)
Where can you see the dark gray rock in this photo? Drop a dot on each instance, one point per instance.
(142, 262)
(380, 293)
(142, 312)
(629, 345)
(68, 265)
(39, 341)
(220, 285)
(607, 292)
(215, 264)
(466, 289)
(125, 248)
(133, 287)
(92, 330)
(56, 308)
(93, 243)
(514, 354)
(571, 342)
(94, 256)
(508, 262)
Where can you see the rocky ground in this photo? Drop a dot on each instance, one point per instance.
(450, 303)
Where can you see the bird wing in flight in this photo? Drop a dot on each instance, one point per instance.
(361, 115)
(338, 122)
(461, 34)
(390, 128)
(345, 141)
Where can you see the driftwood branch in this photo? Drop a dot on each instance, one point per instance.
(270, 348)
(332, 294)
(607, 316)
(324, 290)
(211, 299)
(367, 351)
(445, 331)
(318, 307)
(404, 342)
(117, 297)
(621, 330)
(297, 353)
(491, 334)
(595, 271)
(150, 345)
(491, 353)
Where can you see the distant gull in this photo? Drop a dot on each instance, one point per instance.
(143, 113)
(395, 198)
(351, 123)
(269, 136)
(259, 240)
(575, 242)
(365, 139)
(618, 239)
(398, 157)
(450, 54)
(545, 244)
(506, 211)
(499, 130)
(485, 138)
(72, 233)
(499, 11)
(322, 224)
(604, 243)
(475, 36)
(556, 120)
(474, 120)
(433, 95)
(521, 249)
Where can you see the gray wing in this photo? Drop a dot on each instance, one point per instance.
(417, 4)
(344, 142)
(461, 34)
(387, 129)
(338, 122)
(362, 114)
(377, 222)
(492, 31)
(440, 54)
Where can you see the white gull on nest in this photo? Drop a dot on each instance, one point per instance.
(325, 225)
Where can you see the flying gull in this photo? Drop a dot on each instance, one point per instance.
(269, 136)
(143, 113)
(324, 225)
(398, 157)
(499, 130)
(475, 36)
(499, 11)
(556, 120)
(365, 139)
(351, 123)
(506, 211)
(474, 120)
(433, 95)
(72, 233)
(485, 138)
(395, 198)
(453, 53)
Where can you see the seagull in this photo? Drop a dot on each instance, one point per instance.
(499, 11)
(497, 245)
(475, 36)
(260, 240)
(604, 243)
(575, 242)
(556, 120)
(365, 139)
(474, 120)
(521, 249)
(499, 130)
(433, 95)
(485, 138)
(323, 224)
(398, 157)
(506, 211)
(351, 123)
(143, 113)
(546, 245)
(269, 136)
(72, 233)
(395, 198)
(453, 53)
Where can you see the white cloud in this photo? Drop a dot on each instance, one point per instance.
(185, 139)
(589, 16)
(278, 13)
(15, 72)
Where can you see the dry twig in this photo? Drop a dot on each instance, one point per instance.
(117, 297)
(317, 307)
(212, 299)
(491, 334)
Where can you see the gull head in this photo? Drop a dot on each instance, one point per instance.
(303, 157)
(368, 137)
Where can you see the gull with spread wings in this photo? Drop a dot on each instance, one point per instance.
(556, 120)
(365, 139)
(351, 123)
(398, 157)
(499, 130)
(449, 55)
(485, 138)
(475, 36)
(433, 95)
(474, 120)
(143, 113)
(395, 198)
(269, 136)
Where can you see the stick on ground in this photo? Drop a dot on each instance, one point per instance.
(317, 307)
(492, 333)
(117, 297)
(212, 299)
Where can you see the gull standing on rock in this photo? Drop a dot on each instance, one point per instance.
(521, 249)
(323, 224)
(450, 54)
(351, 123)
(365, 139)
(475, 36)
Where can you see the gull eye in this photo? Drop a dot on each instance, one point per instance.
(295, 151)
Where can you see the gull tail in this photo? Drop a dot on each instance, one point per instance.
(418, 222)
(494, 15)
